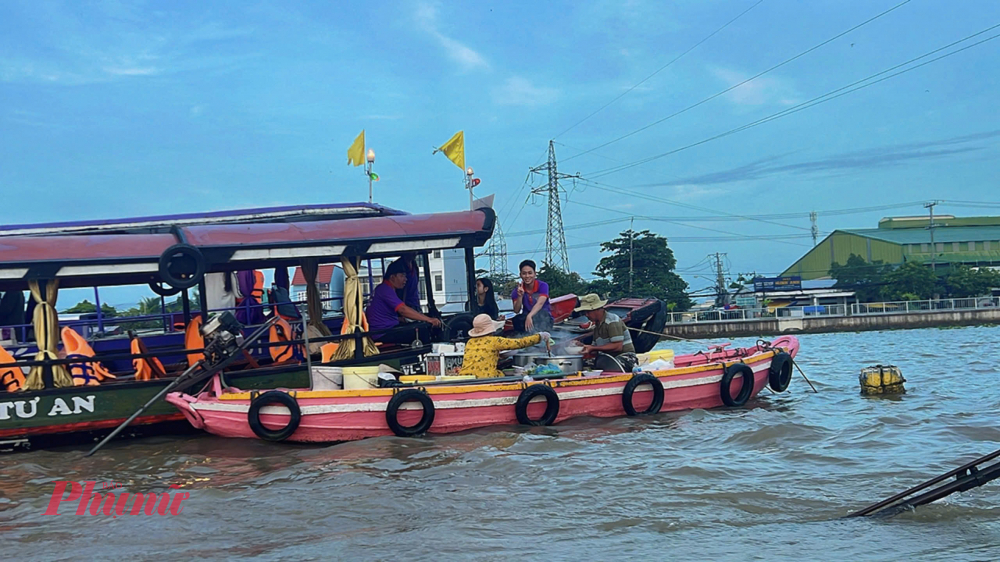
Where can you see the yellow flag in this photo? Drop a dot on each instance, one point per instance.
(454, 149)
(356, 154)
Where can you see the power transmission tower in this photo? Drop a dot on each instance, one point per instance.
(721, 294)
(497, 252)
(555, 237)
(815, 229)
(930, 226)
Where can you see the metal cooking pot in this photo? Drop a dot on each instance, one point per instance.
(527, 359)
(566, 363)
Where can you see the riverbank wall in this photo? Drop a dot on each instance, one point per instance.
(825, 324)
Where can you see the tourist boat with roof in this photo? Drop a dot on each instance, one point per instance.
(49, 397)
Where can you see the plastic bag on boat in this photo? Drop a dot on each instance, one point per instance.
(658, 365)
(547, 369)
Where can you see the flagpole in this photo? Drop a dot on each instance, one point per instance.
(370, 158)
(468, 185)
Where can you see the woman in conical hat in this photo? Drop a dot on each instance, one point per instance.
(482, 351)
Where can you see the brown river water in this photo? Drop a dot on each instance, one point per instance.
(766, 482)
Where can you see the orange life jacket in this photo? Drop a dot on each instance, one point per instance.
(194, 340)
(11, 378)
(258, 286)
(146, 368)
(281, 331)
(89, 373)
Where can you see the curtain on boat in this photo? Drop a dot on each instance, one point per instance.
(314, 306)
(354, 313)
(46, 324)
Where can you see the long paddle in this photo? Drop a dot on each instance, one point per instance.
(190, 377)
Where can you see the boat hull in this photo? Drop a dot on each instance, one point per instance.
(332, 416)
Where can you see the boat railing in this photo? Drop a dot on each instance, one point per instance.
(16, 335)
(853, 309)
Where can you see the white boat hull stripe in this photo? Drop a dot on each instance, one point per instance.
(446, 404)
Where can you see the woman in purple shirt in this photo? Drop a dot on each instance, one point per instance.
(531, 301)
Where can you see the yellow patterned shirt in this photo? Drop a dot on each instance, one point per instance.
(483, 353)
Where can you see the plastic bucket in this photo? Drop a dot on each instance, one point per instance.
(665, 354)
(327, 378)
(359, 378)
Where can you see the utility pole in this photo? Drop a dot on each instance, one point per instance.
(555, 238)
(721, 294)
(631, 235)
(930, 226)
(814, 229)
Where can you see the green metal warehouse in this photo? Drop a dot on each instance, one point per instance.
(971, 241)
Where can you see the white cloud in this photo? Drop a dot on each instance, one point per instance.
(759, 91)
(520, 91)
(427, 18)
(150, 71)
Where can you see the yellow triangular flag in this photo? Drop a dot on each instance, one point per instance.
(356, 154)
(454, 149)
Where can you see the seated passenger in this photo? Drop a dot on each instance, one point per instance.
(482, 351)
(611, 335)
(386, 307)
(410, 293)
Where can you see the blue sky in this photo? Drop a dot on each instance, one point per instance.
(118, 109)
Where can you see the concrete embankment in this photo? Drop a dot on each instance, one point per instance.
(821, 324)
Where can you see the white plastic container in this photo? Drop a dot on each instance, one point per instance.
(327, 378)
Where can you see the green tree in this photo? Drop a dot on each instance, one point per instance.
(963, 282)
(85, 307)
(653, 266)
(561, 282)
(865, 279)
(908, 281)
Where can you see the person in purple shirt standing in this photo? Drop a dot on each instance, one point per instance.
(531, 301)
(385, 309)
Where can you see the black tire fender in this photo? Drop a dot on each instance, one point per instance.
(162, 289)
(274, 397)
(727, 378)
(779, 376)
(402, 397)
(551, 405)
(459, 326)
(636, 381)
(182, 266)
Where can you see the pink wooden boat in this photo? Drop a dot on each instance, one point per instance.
(703, 380)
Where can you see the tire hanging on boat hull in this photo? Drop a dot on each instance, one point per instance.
(274, 397)
(402, 397)
(551, 405)
(629, 391)
(779, 375)
(727, 378)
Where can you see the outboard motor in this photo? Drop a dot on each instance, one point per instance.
(223, 336)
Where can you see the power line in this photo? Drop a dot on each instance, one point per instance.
(644, 80)
(829, 96)
(754, 77)
(615, 189)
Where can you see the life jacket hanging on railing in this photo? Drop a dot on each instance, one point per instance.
(85, 373)
(194, 340)
(11, 378)
(281, 331)
(146, 368)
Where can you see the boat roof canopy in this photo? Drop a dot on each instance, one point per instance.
(163, 223)
(100, 258)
